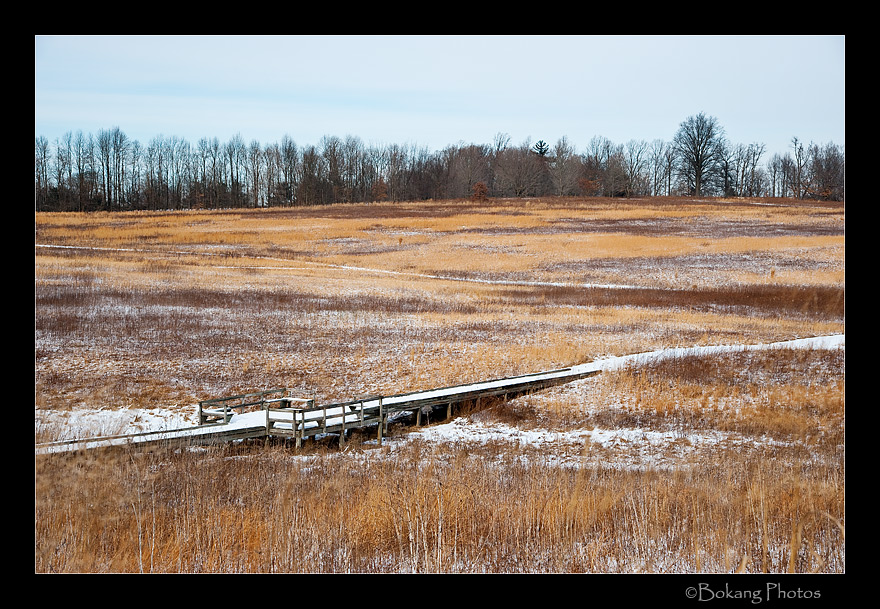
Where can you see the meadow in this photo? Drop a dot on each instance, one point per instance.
(730, 463)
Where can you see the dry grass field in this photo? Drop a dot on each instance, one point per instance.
(730, 463)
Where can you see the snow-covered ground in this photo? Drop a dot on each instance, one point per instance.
(642, 447)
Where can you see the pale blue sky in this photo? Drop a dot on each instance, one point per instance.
(434, 91)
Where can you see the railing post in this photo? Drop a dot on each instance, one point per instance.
(381, 421)
(342, 431)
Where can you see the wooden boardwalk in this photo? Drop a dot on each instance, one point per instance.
(280, 413)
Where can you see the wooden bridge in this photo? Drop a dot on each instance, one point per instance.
(280, 413)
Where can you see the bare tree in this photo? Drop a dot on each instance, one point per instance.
(699, 144)
(826, 172)
(331, 150)
(500, 143)
(564, 168)
(64, 170)
(235, 158)
(135, 167)
(105, 152)
(798, 181)
(82, 161)
(112, 150)
(748, 176)
(311, 178)
(787, 171)
(121, 149)
(634, 160)
(41, 173)
(289, 164)
(153, 167)
(604, 167)
(352, 169)
(395, 171)
(661, 160)
(375, 170)
(255, 171)
(272, 175)
(179, 156)
(519, 171)
(468, 164)
(592, 178)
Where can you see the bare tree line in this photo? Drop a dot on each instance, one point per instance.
(110, 171)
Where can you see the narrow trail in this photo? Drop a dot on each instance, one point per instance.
(833, 341)
(347, 267)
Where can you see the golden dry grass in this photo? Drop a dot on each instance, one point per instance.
(144, 310)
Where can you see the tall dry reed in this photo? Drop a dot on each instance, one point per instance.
(430, 510)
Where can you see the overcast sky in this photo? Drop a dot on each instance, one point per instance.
(434, 91)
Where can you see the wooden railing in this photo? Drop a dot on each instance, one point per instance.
(220, 410)
(300, 418)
